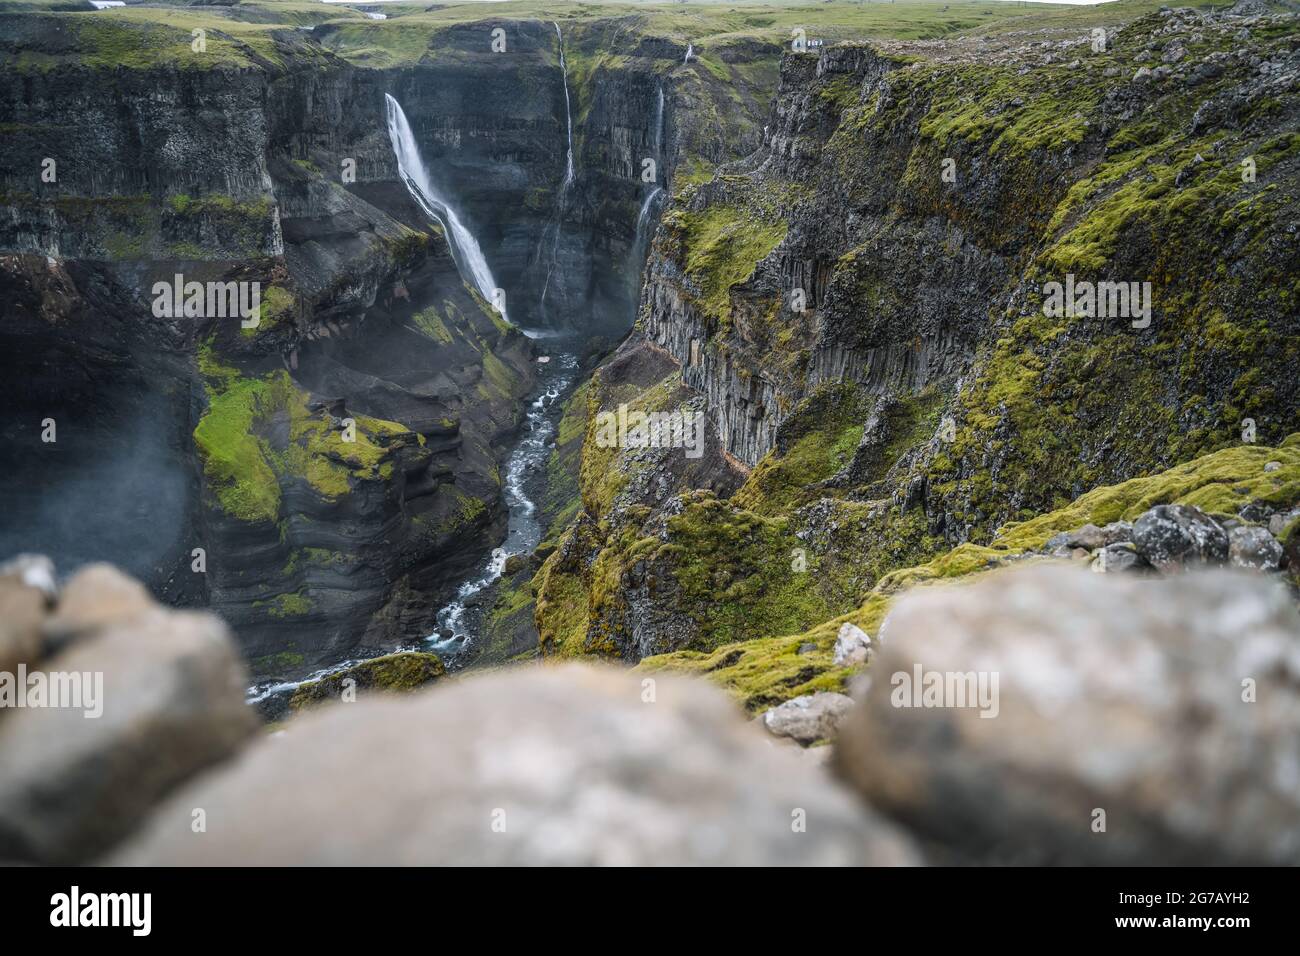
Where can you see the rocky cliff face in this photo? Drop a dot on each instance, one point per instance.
(320, 479)
(859, 308)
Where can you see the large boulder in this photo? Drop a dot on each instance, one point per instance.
(1251, 546)
(1176, 537)
(1166, 711)
(545, 765)
(157, 696)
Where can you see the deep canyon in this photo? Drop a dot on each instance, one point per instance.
(833, 252)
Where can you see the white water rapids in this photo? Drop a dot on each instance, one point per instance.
(524, 530)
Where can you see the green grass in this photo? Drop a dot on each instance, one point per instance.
(723, 246)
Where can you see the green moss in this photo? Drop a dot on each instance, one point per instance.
(293, 604)
(429, 322)
(1218, 483)
(278, 304)
(235, 458)
(764, 671)
(270, 663)
(244, 471)
(819, 437)
(723, 246)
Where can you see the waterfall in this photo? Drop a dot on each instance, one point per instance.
(642, 237)
(645, 210)
(659, 125)
(568, 111)
(689, 50)
(568, 173)
(465, 250)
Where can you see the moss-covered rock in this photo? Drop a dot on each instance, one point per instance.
(395, 673)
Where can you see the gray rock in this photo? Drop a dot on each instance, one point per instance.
(1251, 546)
(172, 699)
(809, 718)
(1113, 693)
(806, 648)
(1091, 537)
(1117, 558)
(1143, 74)
(1174, 537)
(1278, 523)
(97, 596)
(22, 610)
(33, 570)
(852, 646)
(563, 765)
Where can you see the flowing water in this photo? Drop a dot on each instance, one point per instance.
(568, 174)
(689, 50)
(659, 126)
(526, 464)
(464, 247)
(524, 480)
(643, 220)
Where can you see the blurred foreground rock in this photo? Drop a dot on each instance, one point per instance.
(1170, 706)
(171, 690)
(539, 765)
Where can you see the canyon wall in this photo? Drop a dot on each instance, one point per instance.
(858, 307)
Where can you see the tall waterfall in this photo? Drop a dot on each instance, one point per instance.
(568, 111)
(689, 50)
(568, 174)
(465, 250)
(659, 126)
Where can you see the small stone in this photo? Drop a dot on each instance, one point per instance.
(1143, 74)
(806, 648)
(1251, 546)
(1089, 536)
(809, 718)
(1270, 466)
(851, 646)
(1116, 558)
(1278, 523)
